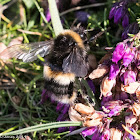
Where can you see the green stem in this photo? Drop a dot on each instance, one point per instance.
(105, 27)
(57, 26)
(40, 11)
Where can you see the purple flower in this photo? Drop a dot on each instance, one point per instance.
(137, 59)
(120, 12)
(129, 77)
(115, 111)
(82, 16)
(105, 135)
(118, 52)
(65, 109)
(107, 98)
(101, 132)
(53, 100)
(114, 70)
(91, 85)
(96, 136)
(111, 13)
(125, 21)
(62, 129)
(44, 96)
(89, 131)
(61, 117)
(48, 15)
(135, 28)
(118, 15)
(113, 108)
(131, 29)
(128, 135)
(121, 96)
(124, 35)
(72, 128)
(131, 137)
(59, 107)
(122, 71)
(112, 104)
(128, 56)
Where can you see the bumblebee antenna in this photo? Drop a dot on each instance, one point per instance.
(88, 30)
(97, 35)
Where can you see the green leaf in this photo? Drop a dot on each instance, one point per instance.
(29, 3)
(2, 2)
(32, 21)
(42, 127)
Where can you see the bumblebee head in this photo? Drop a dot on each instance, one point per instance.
(81, 31)
(63, 43)
(67, 40)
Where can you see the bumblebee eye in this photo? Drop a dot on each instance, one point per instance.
(81, 35)
(72, 44)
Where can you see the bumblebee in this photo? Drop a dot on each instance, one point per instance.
(65, 59)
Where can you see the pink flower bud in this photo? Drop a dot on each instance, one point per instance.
(118, 52)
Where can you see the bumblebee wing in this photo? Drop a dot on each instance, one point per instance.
(75, 63)
(27, 52)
